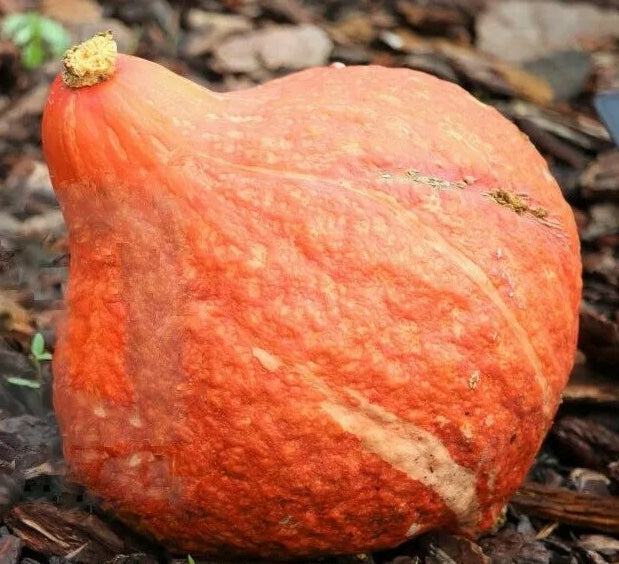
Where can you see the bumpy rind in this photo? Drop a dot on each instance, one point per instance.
(299, 318)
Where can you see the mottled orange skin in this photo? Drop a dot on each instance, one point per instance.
(247, 267)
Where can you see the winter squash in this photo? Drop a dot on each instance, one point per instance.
(321, 315)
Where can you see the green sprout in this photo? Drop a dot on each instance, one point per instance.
(38, 37)
(190, 560)
(24, 382)
(39, 355)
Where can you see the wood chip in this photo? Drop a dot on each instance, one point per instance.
(475, 69)
(27, 107)
(443, 548)
(15, 321)
(52, 529)
(355, 29)
(549, 144)
(599, 338)
(579, 129)
(210, 29)
(589, 387)
(602, 544)
(512, 545)
(565, 506)
(10, 549)
(603, 264)
(601, 178)
(431, 16)
(589, 481)
(292, 11)
(433, 64)
(585, 442)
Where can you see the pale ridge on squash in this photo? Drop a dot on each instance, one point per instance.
(418, 453)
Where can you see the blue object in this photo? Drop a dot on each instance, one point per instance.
(607, 106)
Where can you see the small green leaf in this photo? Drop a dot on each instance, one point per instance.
(13, 23)
(37, 346)
(37, 36)
(23, 382)
(45, 356)
(32, 55)
(190, 560)
(55, 36)
(23, 35)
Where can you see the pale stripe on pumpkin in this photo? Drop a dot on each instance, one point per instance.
(416, 452)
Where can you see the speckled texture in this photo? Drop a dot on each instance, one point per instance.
(297, 323)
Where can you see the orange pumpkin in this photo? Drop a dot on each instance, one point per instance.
(321, 315)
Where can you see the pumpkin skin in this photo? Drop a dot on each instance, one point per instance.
(322, 315)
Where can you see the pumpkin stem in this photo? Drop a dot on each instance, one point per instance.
(90, 62)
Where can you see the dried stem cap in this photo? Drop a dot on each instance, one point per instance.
(90, 62)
